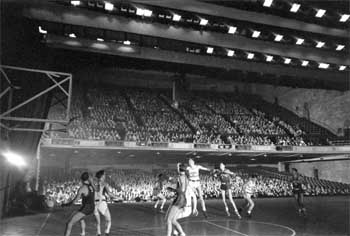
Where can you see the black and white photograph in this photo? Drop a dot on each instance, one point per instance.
(175, 118)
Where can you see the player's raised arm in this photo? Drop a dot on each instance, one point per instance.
(79, 193)
(203, 168)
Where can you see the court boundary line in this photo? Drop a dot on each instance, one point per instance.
(43, 224)
(211, 222)
(223, 227)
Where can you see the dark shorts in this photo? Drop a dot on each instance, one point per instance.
(225, 186)
(298, 191)
(180, 200)
(87, 209)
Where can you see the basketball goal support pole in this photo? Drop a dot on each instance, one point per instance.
(37, 170)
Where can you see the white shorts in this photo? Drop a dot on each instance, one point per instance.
(195, 185)
(247, 195)
(187, 210)
(101, 207)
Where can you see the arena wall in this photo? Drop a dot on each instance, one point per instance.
(330, 170)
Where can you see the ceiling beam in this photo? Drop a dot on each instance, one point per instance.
(188, 58)
(102, 21)
(242, 15)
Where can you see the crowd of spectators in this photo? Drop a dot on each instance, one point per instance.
(145, 115)
(159, 122)
(137, 185)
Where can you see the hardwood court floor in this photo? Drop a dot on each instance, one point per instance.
(273, 216)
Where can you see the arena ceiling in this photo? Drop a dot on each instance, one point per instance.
(280, 39)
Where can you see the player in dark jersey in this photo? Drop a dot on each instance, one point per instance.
(225, 178)
(87, 194)
(158, 191)
(298, 191)
(179, 203)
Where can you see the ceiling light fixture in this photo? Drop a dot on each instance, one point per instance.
(232, 30)
(340, 47)
(344, 17)
(320, 13)
(230, 53)
(299, 41)
(278, 37)
(295, 7)
(268, 3)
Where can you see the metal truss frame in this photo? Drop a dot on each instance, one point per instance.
(62, 96)
(58, 79)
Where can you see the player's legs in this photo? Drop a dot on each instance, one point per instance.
(98, 221)
(172, 221)
(200, 195)
(83, 226)
(163, 198)
(223, 195)
(233, 203)
(108, 220)
(157, 202)
(76, 217)
(251, 204)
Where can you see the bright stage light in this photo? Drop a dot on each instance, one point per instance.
(295, 7)
(126, 42)
(14, 159)
(72, 35)
(100, 39)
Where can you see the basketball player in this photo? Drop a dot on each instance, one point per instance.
(225, 178)
(158, 192)
(248, 191)
(87, 194)
(298, 191)
(101, 207)
(179, 203)
(194, 182)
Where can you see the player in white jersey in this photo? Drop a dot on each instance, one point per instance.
(248, 192)
(194, 181)
(101, 207)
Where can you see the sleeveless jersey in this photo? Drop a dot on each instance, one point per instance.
(297, 184)
(89, 199)
(249, 187)
(224, 177)
(100, 192)
(193, 173)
